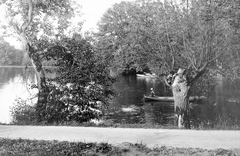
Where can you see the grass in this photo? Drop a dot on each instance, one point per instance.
(22, 147)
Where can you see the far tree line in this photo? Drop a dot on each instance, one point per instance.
(9, 55)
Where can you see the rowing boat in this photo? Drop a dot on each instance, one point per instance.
(169, 98)
(147, 75)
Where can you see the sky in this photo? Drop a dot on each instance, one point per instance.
(92, 12)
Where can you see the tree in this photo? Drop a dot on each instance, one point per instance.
(9, 55)
(204, 38)
(82, 87)
(230, 63)
(36, 23)
(118, 37)
(189, 38)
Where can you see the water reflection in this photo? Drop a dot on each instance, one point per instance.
(131, 90)
(13, 84)
(161, 113)
(219, 109)
(222, 107)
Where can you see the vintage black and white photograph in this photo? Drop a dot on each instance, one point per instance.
(120, 77)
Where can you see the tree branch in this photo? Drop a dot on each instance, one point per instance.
(187, 55)
(14, 25)
(199, 73)
(29, 18)
(218, 54)
(166, 82)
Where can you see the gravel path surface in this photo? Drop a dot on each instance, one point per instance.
(150, 137)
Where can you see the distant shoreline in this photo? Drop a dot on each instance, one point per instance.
(16, 66)
(22, 66)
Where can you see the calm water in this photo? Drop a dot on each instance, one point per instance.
(223, 107)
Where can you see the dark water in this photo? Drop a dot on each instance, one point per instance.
(129, 107)
(222, 108)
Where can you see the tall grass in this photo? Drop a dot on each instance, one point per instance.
(21, 147)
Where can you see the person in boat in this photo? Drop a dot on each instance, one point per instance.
(152, 93)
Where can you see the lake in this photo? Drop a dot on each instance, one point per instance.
(128, 107)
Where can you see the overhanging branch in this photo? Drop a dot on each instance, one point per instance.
(29, 18)
(199, 73)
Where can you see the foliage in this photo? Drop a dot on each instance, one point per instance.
(49, 18)
(23, 113)
(118, 37)
(230, 62)
(9, 55)
(40, 23)
(164, 36)
(82, 87)
(56, 148)
(78, 93)
(205, 86)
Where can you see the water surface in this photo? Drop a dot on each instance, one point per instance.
(128, 107)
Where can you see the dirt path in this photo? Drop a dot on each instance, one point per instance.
(150, 137)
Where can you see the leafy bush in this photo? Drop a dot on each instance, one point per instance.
(23, 113)
(80, 91)
(82, 87)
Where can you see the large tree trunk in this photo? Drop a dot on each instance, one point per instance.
(180, 89)
(43, 89)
